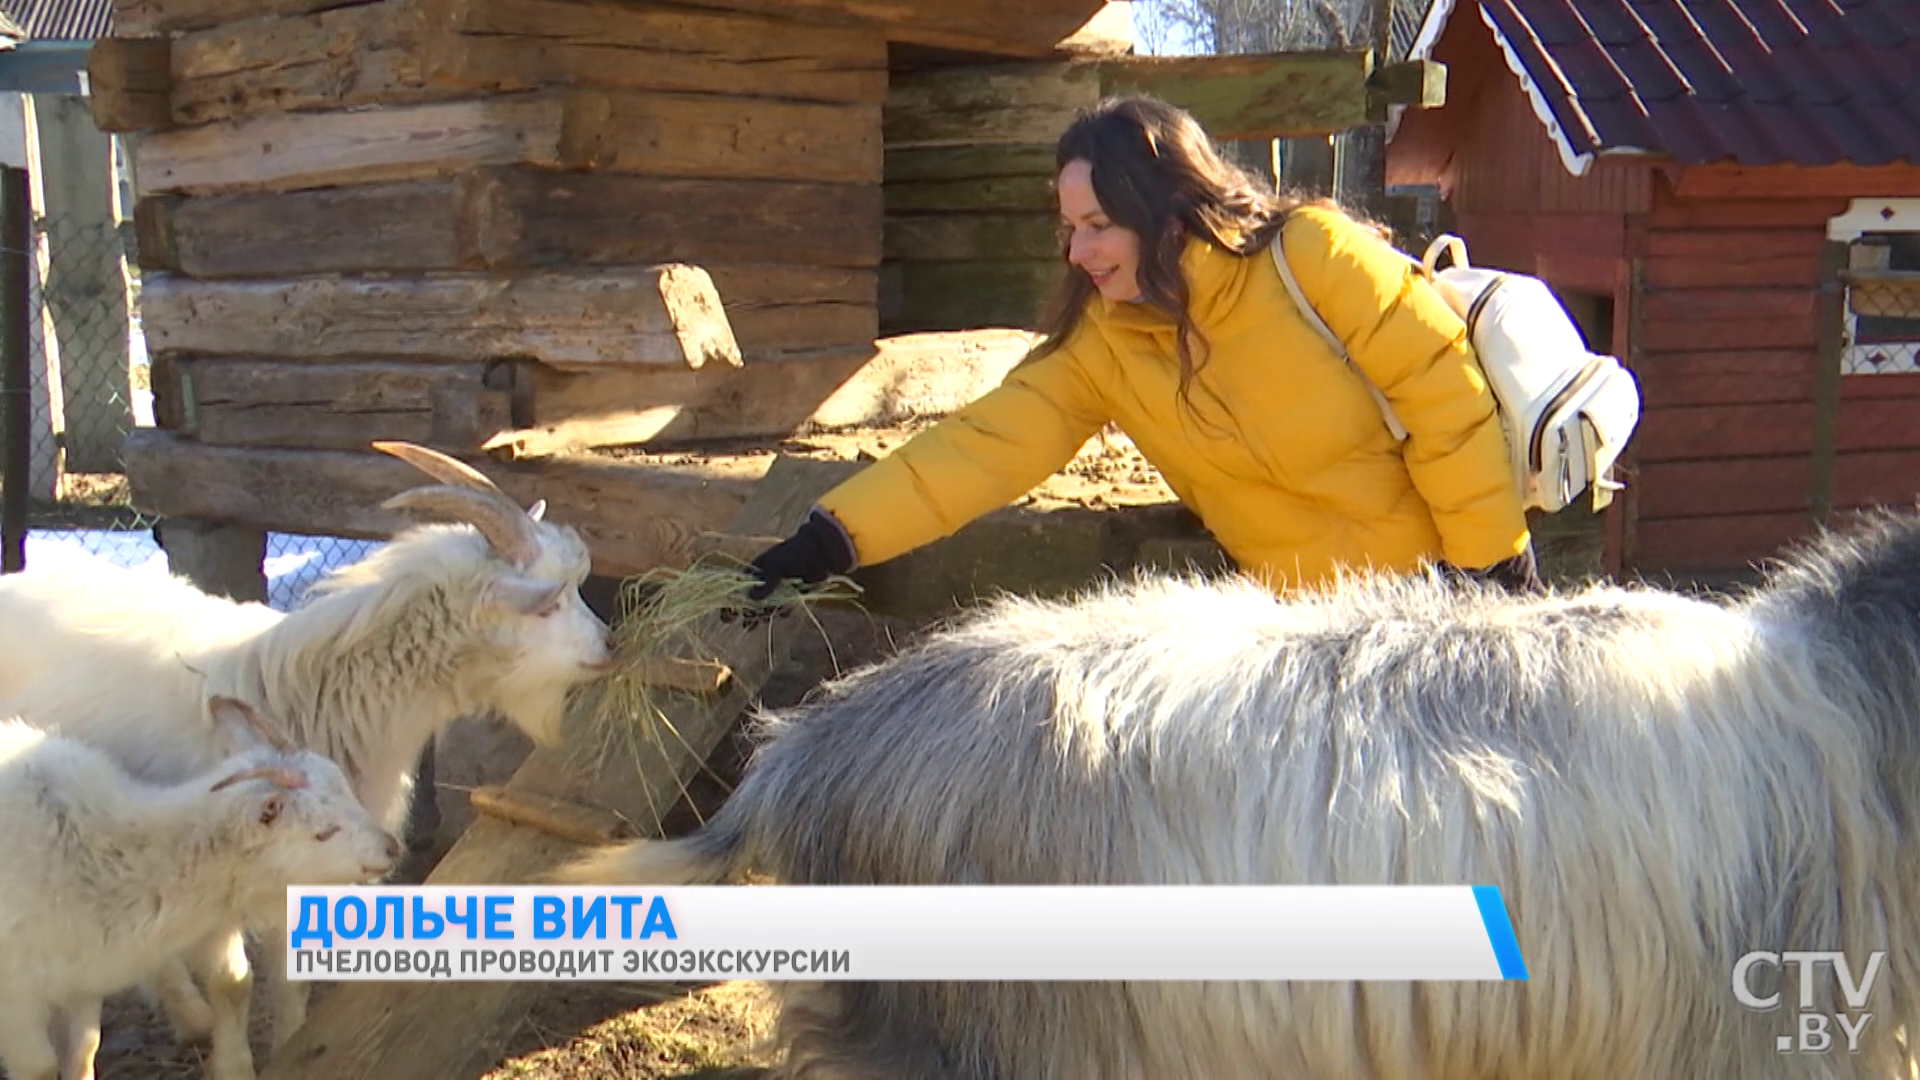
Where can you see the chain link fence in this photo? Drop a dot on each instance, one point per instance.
(89, 385)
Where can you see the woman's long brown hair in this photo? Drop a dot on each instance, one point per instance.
(1155, 172)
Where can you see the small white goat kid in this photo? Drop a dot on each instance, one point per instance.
(445, 621)
(109, 877)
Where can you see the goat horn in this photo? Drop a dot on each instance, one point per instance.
(447, 470)
(278, 774)
(506, 528)
(268, 731)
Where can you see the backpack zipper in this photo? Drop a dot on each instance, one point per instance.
(1536, 448)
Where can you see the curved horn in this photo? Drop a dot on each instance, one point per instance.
(447, 470)
(280, 776)
(269, 732)
(508, 531)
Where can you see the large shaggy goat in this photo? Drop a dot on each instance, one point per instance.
(1659, 783)
(481, 616)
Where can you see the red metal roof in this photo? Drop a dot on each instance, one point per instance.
(1753, 82)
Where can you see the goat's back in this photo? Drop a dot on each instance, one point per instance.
(119, 658)
(1642, 773)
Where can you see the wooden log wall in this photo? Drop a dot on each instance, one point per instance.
(1728, 350)
(478, 224)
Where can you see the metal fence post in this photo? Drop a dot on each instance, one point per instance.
(16, 381)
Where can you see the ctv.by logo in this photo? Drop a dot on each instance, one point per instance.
(1813, 1030)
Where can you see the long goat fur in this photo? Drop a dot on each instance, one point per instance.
(1660, 783)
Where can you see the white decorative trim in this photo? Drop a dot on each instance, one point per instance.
(1576, 163)
(1875, 215)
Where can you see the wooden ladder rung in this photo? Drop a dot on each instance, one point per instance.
(680, 673)
(568, 820)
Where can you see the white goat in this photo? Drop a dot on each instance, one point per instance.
(1659, 783)
(108, 877)
(444, 621)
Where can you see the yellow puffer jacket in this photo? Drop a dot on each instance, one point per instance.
(1288, 462)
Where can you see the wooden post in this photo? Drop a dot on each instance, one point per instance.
(16, 365)
(369, 1030)
(1826, 381)
(220, 558)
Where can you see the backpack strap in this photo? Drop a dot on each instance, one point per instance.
(1333, 341)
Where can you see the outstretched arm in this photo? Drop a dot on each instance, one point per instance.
(978, 459)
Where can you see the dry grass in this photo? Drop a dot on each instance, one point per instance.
(715, 1031)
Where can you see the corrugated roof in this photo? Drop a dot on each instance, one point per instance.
(61, 20)
(1753, 82)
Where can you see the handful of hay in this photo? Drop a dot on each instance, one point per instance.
(662, 648)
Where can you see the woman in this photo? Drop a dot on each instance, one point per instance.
(1174, 323)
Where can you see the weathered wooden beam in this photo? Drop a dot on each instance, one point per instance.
(666, 314)
(411, 51)
(1012, 28)
(377, 1029)
(798, 308)
(972, 237)
(129, 83)
(563, 818)
(510, 218)
(927, 296)
(1246, 96)
(1418, 84)
(678, 135)
(342, 405)
(634, 517)
(894, 380)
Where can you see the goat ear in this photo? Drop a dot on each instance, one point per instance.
(519, 596)
(538, 511)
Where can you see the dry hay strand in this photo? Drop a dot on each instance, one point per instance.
(669, 617)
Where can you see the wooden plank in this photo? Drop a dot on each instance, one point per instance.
(1733, 244)
(1248, 96)
(918, 297)
(655, 315)
(968, 162)
(972, 237)
(1008, 28)
(994, 193)
(377, 1029)
(409, 51)
(341, 405)
(1725, 542)
(303, 150)
(1797, 182)
(709, 137)
(128, 83)
(680, 135)
(1682, 271)
(1809, 213)
(535, 217)
(402, 226)
(633, 516)
(142, 18)
(1685, 333)
(513, 217)
(1712, 305)
(916, 376)
(1771, 485)
(564, 819)
(1714, 431)
(786, 308)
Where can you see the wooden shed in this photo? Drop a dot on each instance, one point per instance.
(1726, 194)
(504, 228)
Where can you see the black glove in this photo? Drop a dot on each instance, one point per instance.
(1520, 574)
(817, 550)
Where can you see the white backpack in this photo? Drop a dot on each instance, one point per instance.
(1567, 412)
